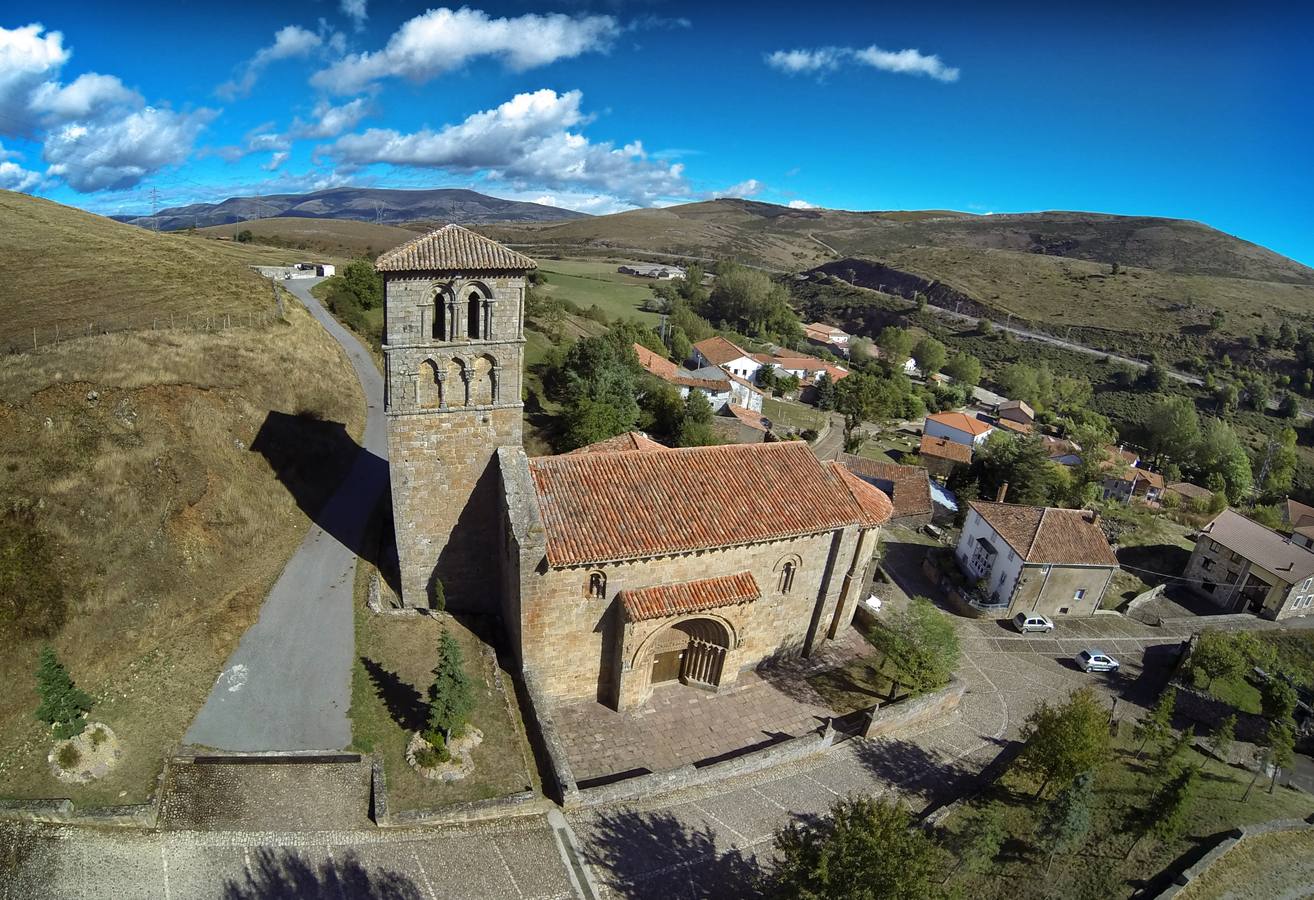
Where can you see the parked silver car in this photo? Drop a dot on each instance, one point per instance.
(1095, 661)
(1025, 622)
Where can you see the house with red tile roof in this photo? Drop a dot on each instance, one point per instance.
(1126, 479)
(908, 487)
(639, 567)
(940, 456)
(958, 427)
(724, 354)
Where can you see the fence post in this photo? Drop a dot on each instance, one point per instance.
(34, 343)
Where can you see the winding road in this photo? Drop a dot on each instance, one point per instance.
(287, 686)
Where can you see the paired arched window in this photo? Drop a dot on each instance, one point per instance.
(597, 585)
(475, 316)
(787, 572)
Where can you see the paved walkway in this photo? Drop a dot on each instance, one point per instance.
(287, 686)
(680, 725)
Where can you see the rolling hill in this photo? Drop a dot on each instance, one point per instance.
(336, 237)
(360, 204)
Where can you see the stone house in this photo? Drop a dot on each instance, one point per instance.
(940, 456)
(1241, 566)
(957, 427)
(1018, 411)
(908, 487)
(1055, 562)
(612, 569)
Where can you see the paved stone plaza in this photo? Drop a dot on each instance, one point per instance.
(680, 725)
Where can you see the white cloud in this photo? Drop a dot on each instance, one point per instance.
(119, 153)
(906, 62)
(90, 94)
(526, 141)
(330, 121)
(356, 11)
(823, 59)
(743, 189)
(290, 42)
(14, 177)
(801, 204)
(275, 161)
(441, 40)
(828, 59)
(27, 60)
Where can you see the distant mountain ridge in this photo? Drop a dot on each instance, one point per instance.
(360, 204)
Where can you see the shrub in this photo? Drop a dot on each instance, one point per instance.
(68, 757)
(63, 705)
(98, 737)
(435, 754)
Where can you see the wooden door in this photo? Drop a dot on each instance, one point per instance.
(666, 665)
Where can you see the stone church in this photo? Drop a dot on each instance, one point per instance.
(617, 567)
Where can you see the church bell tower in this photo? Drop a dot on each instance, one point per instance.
(453, 352)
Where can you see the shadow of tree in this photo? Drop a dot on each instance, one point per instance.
(287, 876)
(909, 766)
(404, 701)
(654, 854)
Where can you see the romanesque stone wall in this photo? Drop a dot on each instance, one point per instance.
(578, 645)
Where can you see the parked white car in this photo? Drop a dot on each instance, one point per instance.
(1025, 622)
(1095, 661)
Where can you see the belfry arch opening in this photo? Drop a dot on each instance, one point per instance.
(475, 316)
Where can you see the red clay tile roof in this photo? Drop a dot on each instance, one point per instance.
(1299, 513)
(1049, 535)
(452, 249)
(1019, 427)
(718, 351)
(747, 416)
(875, 505)
(961, 421)
(909, 487)
(943, 448)
(1020, 405)
(667, 371)
(629, 442)
(1190, 491)
(600, 507)
(664, 600)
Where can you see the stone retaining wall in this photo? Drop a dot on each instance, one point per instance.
(907, 713)
(63, 811)
(1226, 843)
(543, 732)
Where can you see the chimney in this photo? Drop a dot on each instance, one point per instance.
(1001, 493)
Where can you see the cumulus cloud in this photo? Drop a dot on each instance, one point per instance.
(28, 59)
(290, 42)
(119, 153)
(528, 140)
(330, 121)
(14, 177)
(441, 40)
(748, 188)
(89, 95)
(356, 11)
(801, 204)
(275, 161)
(828, 59)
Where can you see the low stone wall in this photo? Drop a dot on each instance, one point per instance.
(1226, 843)
(693, 776)
(543, 731)
(907, 713)
(63, 811)
(1145, 617)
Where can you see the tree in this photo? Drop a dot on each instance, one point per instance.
(1215, 656)
(364, 282)
(1227, 397)
(1216, 320)
(920, 644)
(1066, 821)
(244, 236)
(1172, 428)
(1166, 814)
(1289, 405)
(1179, 746)
(867, 848)
(1277, 699)
(985, 326)
(751, 303)
(1221, 452)
(451, 697)
(63, 705)
(696, 426)
(1155, 376)
(1159, 723)
(824, 392)
(1065, 740)
(930, 355)
(679, 344)
(1220, 742)
(598, 380)
(977, 843)
(964, 368)
(1023, 462)
(1281, 743)
(1281, 464)
(896, 345)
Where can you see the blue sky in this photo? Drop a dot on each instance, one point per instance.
(1202, 111)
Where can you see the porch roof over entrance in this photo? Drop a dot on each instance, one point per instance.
(663, 600)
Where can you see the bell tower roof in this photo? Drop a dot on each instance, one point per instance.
(453, 249)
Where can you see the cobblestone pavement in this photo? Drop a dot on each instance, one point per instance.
(287, 686)
(266, 797)
(680, 725)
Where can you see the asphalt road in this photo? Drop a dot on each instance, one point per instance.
(287, 686)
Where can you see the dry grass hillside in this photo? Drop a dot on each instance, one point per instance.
(132, 454)
(337, 237)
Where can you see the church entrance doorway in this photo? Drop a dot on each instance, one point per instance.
(692, 652)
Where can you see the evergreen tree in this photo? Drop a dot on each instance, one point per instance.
(1220, 742)
(63, 704)
(1170, 804)
(1281, 741)
(977, 844)
(1178, 747)
(1158, 724)
(451, 696)
(825, 392)
(1067, 820)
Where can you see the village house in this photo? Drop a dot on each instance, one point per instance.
(1045, 560)
(720, 387)
(1188, 494)
(614, 569)
(806, 369)
(665, 273)
(908, 487)
(940, 456)
(1241, 566)
(834, 339)
(1296, 514)
(719, 352)
(740, 425)
(1125, 479)
(957, 427)
(1060, 450)
(1017, 411)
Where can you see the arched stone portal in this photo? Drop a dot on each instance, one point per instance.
(691, 652)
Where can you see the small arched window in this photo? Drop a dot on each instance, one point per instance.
(474, 316)
(597, 585)
(787, 577)
(439, 317)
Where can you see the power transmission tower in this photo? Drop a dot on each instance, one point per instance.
(155, 208)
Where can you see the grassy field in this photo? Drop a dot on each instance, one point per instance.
(590, 282)
(1279, 864)
(1102, 867)
(342, 238)
(64, 268)
(793, 415)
